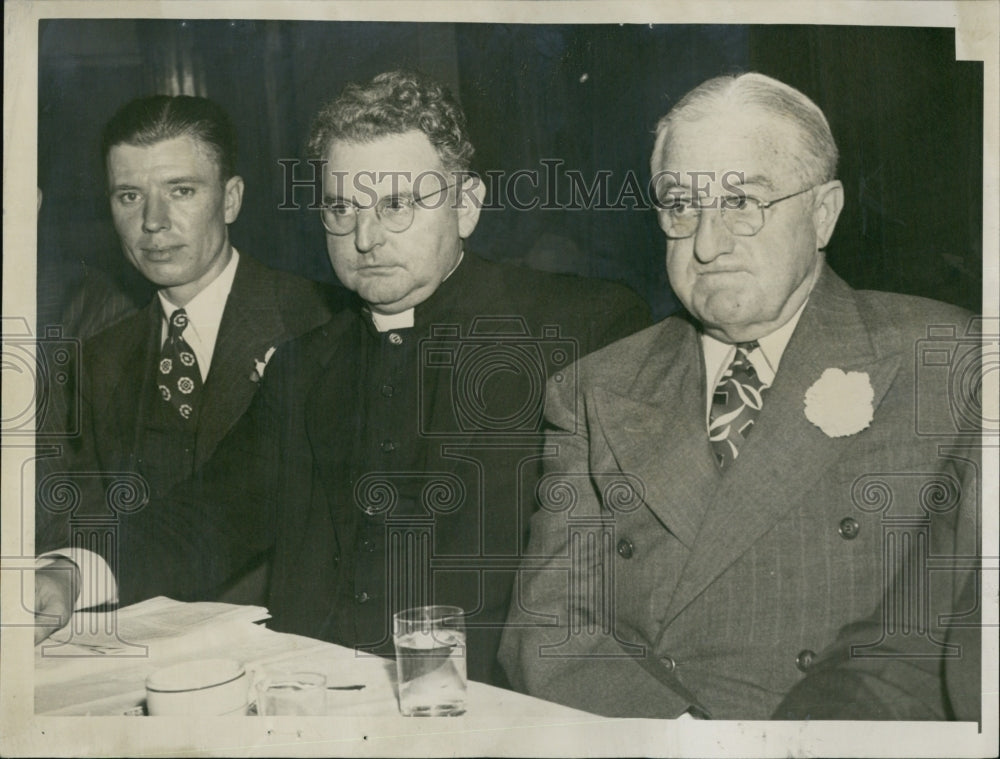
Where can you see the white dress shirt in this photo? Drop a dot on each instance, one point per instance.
(765, 359)
(204, 312)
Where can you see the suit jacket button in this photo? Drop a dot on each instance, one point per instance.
(387, 390)
(849, 528)
(668, 662)
(805, 659)
(361, 597)
(387, 446)
(625, 548)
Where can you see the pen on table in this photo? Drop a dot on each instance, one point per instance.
(345, 687)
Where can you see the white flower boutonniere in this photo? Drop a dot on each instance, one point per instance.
(840, 403)
(259, 366)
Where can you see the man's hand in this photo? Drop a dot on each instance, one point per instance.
(56, 588)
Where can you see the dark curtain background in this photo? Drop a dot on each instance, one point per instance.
(906, 115)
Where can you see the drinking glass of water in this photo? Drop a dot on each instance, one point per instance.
(430, 661)
(291, 693)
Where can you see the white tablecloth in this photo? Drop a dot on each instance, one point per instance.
(71, 681)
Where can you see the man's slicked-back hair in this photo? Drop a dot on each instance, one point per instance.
(814, 158)
(392, 103)
(149, 120)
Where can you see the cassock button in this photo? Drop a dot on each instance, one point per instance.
(625, 548)
(361, 597)
(387, 390)
(387, 446)
(668, 662)
(849, 528)
(395, 338)
(805, 659)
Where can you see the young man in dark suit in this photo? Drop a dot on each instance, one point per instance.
(391, 457)
(156, 400)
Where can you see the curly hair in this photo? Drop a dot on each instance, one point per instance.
(395, 102)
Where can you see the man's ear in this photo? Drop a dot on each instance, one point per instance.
(233, 197)
(826, 211)
(470, 194)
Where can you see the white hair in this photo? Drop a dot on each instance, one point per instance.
(816, 158)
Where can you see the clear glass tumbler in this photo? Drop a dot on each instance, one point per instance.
(430, 661)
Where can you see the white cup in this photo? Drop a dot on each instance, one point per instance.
(212, 687)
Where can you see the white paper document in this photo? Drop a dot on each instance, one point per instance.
(99, 662)
(154, 622)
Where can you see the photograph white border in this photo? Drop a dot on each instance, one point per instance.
(23, 733)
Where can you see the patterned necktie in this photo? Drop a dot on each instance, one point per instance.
(179, 378)
(735, 404)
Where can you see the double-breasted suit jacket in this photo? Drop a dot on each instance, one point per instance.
(387, 469)
(659, 584)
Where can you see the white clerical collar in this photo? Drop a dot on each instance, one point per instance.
(404, 319)
(204, 312)
(387, 322)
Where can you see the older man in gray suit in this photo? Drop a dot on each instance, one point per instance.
(764, 507)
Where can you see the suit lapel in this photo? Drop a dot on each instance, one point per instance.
(659, 433)
(130, 384)
(786, 453)
(251, 323)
